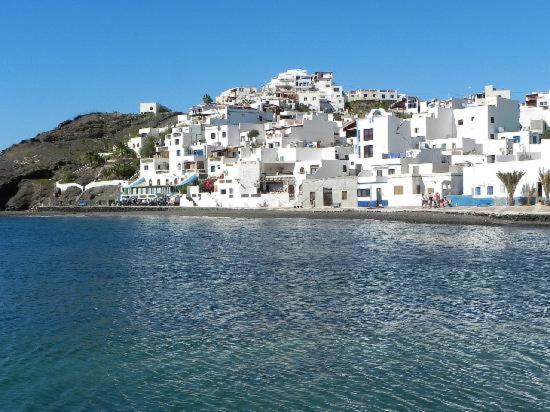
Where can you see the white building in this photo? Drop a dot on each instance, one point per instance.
(405, 184)
(314, 132)
(263, 149)
(482, 184)
(317, 91)
(238, 96)
(483, 120)
(149, 108)
(379, 136)
(535, 118)
(378, 95)
(538, 99)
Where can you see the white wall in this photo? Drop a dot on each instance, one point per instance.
(149, 107)
(485, 176)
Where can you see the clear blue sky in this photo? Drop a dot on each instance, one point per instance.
(60, 58)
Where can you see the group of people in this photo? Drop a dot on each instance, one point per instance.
(133, 201)
(432, 200)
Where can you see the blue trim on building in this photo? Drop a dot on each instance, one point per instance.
(466, 200)
(370, 203)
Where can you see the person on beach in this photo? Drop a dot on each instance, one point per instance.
(437, 200)
(430, 200)
(424, 201)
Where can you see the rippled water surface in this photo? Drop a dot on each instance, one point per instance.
(176, 313)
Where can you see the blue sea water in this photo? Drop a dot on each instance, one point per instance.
(175, 313)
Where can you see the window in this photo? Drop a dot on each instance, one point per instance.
(379, 172)
(489, 190)
(212, 135)
(177, 141)
(179, 166)
(416, 129)
(383, 96)
(492, 119)
(178, 152)
(305, 99)
(302, 170)
(223, 191)
(312, 198)
(368, 134)
(478, 190)
(460, 122)
(492, 136)
(146, 167)
(363, 192)
(158, 182)
(398, 190)
(472, 118)
(344, 195)
(368, 151)
(212, 168)
(224, 134)
(417, 190)
(391, 171)
(344, 168)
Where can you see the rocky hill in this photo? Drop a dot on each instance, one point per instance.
(29, 169)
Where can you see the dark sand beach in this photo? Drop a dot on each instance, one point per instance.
(488, 216)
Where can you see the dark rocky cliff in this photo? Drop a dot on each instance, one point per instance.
(28, 170)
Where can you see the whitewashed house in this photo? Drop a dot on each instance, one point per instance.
(149, 108)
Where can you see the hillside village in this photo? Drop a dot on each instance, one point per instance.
(302, 141)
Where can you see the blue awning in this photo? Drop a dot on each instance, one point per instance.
(137, 182)
(188, 180)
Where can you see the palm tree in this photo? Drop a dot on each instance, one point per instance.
(529, 191)
(544, 177)
(510, 181)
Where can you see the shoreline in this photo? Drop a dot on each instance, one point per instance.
(490, 216)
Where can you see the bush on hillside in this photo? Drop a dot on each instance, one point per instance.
(148, 149)
(121, 170)
(93, 159)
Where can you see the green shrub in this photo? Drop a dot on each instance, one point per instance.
(149, 148)
(122, 151)
(363, 107)
(68, 176)
(302, 107)
(121, 170)
(93, 159)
